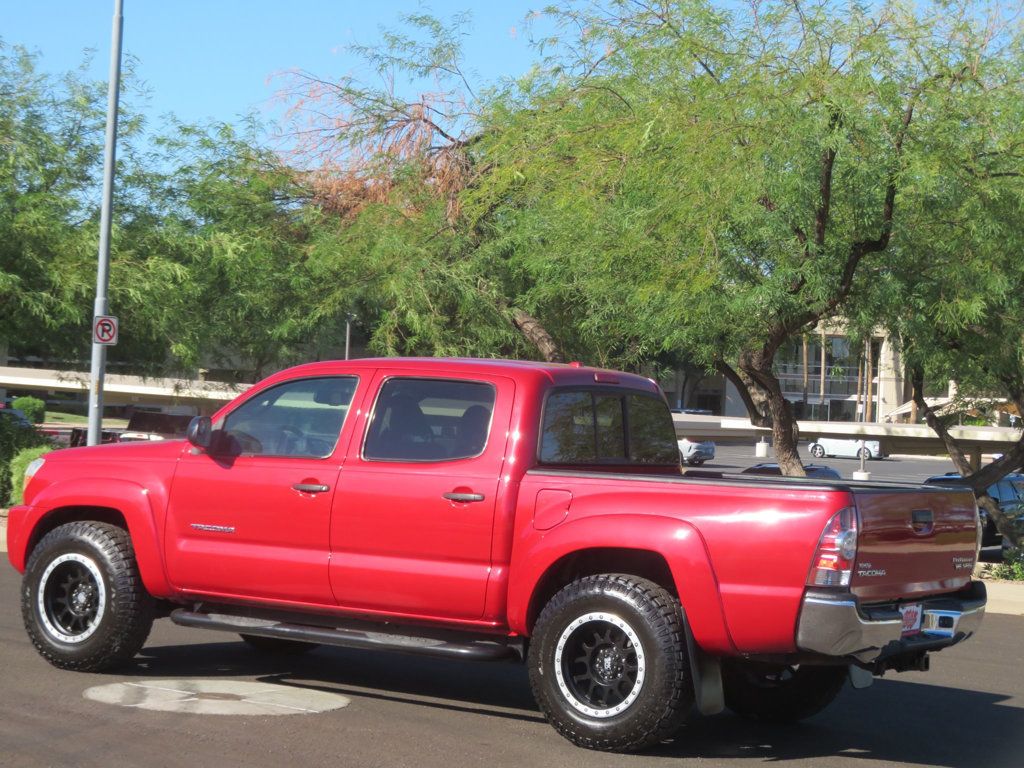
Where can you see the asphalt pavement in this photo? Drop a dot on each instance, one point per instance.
(405, 711)
(400, 711)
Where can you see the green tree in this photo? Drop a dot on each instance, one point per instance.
(50, 137)
(720, 181)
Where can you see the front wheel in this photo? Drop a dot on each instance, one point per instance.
(608, 663)
(864, 453)
(780, 694)
(817, 451)
(82, 599)
(696, 462)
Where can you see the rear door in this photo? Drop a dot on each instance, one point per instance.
(413, 521)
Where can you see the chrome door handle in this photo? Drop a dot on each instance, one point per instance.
(311, 487)
(464, 496)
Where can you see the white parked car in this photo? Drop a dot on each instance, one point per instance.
(846, 448)
(696, 453)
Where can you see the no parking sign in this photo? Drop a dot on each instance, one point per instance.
(104, 330)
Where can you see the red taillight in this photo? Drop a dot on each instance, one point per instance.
(837, 549)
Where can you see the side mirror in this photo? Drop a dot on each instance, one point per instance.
(200, 432)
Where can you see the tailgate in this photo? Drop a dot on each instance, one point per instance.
(913, 542)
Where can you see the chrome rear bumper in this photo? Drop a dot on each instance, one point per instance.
(835, 624)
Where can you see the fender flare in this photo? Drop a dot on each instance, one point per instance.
(677, 541)
(130, 499)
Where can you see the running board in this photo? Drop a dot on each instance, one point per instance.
(380, 637)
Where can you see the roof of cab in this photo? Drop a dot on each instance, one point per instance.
(556, 373)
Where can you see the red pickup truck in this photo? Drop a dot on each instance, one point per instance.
(488, 510)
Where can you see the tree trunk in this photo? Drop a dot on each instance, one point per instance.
(536, 334)
(757, 366)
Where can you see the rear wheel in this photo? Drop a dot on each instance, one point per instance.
(817, 451)
(864, 453)
(278, 645)
(608, 664)
(82, 598)
(780, 694)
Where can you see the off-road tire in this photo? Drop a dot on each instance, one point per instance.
(278, 645)
(82, 599)
(817, 451)
(776, 694)
(642, 641)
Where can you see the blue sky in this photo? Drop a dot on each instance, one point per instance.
(213, 59)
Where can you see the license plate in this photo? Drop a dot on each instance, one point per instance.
(911, 618)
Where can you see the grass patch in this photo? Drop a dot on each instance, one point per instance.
(80, 420)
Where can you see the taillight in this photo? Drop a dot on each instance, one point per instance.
(837, 549)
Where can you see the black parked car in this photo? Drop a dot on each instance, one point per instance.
(819, 471)
(1008, 494)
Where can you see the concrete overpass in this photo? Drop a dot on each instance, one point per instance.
(124, 390)
(894, 438)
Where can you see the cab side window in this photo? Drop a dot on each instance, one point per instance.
(418, 419)
(300, 418)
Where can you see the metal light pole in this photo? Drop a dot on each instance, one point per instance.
(348, 331)
(99, 351)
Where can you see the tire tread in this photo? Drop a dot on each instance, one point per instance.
(131, 608)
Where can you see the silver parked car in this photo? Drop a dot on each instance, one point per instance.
(846, 448)
(696, 453)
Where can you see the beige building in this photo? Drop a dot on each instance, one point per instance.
(825, 375)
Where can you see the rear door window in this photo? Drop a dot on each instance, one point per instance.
(418, 419)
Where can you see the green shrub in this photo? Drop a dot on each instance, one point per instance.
(32, 407)
(19, 464)
(1012, 567)
(13, 438)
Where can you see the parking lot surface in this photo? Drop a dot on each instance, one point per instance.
(409, 711)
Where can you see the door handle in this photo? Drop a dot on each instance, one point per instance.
(464, 496)
(311, 487)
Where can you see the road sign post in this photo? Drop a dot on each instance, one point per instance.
(99, 349)
(105, 330)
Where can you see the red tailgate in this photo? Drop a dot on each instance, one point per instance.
(913, 542)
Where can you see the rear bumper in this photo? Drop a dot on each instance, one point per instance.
(837, 625)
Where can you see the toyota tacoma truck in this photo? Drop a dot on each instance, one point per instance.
(481, 509)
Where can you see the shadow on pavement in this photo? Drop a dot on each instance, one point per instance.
(498, 689)
(891, 722)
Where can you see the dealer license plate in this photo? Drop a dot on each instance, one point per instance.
(911, 618)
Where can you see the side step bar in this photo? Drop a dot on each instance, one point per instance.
(381, 637)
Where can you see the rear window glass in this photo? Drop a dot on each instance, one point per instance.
(607, 427)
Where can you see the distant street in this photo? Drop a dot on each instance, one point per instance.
(910, 469)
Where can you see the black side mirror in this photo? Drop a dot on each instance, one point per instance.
(200, 432)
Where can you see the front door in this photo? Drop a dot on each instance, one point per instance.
(414, 517)
(251, 516)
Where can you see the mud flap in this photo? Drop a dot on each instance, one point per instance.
(706, 671)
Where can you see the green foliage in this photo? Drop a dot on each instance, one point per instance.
(32, 407)
(18, 466)
(1012, 567)
(13, 438)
